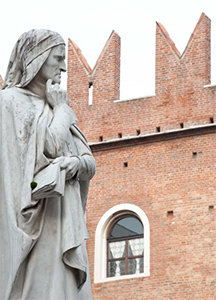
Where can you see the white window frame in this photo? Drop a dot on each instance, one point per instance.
(100, 261)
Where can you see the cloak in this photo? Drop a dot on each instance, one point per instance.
(42, 242)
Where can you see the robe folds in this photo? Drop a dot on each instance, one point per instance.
(42, 242)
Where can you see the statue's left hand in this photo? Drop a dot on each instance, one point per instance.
(55, 95)
(70, 164)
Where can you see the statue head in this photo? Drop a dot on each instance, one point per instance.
(53, 66)
(29, 55)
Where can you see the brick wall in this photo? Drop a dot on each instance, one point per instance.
(169, 143)
(1, 82)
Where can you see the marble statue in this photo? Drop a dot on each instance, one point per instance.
(46, 165)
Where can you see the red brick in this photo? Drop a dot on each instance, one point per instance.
(172, 170)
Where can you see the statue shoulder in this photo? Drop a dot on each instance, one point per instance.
(15, 99)
(10, 93)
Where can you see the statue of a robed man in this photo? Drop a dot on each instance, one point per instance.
(45, 168)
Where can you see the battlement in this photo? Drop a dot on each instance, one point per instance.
(187, 72)
(184, 97)
(157, 153)
(104, 78)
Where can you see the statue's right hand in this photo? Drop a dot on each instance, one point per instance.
(55, 95)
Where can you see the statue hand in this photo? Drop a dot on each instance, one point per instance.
(70, 164)
(55, 95)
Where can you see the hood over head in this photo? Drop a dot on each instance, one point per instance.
(28, 56)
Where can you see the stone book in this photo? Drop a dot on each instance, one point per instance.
(50, 182)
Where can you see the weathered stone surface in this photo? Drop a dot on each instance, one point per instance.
(42, 250)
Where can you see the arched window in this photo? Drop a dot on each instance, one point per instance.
(122, 244)
(125, 246)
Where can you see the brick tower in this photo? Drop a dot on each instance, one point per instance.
(156, 161)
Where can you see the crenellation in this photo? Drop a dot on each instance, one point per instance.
(179, 85)
(157, 152)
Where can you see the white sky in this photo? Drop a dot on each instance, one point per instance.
(90, 22)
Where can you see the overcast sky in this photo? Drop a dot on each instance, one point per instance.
(90, 22)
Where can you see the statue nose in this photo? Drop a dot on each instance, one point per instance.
(63, 67)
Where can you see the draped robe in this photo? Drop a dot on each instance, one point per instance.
(42, 242)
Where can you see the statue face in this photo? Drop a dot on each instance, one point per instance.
(54, 65)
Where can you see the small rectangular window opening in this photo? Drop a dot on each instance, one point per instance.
(138, 132)
(194, 154)
(90, 93)
(158, 129)
(211, 208)
(170, 213)
(211, 120)
(181, 125)
(101, 138)
(120, 135)
(125, 164)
